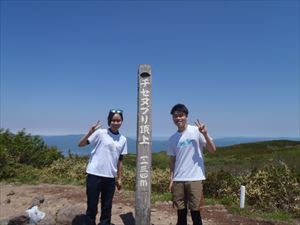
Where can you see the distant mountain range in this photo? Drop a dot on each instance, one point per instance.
(66, 143)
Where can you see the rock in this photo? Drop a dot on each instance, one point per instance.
(19, 220)
(37, 201)
(66, 215)
(3, 222)
(48, 220)
(11, 193)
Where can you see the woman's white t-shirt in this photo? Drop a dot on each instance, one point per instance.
(187, 147)
(107, 149)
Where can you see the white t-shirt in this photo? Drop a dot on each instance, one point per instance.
(107, 149)
(187, 147)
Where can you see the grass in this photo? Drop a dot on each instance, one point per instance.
(211, 201)
(250, 212)
(161, 197)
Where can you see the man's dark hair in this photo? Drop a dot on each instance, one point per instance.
(180, 108)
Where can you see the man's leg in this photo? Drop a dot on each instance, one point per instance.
(194, 192)
(182, 216)
(196, 217)
(179, 200)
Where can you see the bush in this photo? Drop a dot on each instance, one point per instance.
(159, 179)
(273, 188)
(22, 148)
(222, 184)
(7, 165)
(270, 189)
(128, 178)
(68, 170)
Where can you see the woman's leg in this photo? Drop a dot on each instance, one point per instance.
(107, 194)
(93, 184)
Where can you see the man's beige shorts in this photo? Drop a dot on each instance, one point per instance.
(187, 194)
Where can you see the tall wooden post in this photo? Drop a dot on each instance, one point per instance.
(144, 143)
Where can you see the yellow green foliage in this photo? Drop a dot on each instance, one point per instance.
(272, 188)
(68, 170)
(159, 179)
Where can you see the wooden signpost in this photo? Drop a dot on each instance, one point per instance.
(144, 143)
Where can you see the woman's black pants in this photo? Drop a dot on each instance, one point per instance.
(96, 185)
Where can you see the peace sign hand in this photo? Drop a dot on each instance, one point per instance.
(84, 140)
(95, 127)
(201, 127)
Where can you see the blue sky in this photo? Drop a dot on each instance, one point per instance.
(235, 64)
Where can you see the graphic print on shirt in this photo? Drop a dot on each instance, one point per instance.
(184, 143)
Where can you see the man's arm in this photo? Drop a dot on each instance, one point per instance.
(210, 145)
(172, 166)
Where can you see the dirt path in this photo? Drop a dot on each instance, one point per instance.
(15, 199)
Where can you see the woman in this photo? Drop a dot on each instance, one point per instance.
(105, 165)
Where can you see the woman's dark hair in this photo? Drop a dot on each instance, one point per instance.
(180, 108)
(111, 115)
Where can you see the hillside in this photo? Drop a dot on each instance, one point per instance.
(20, 165)
(245, 157)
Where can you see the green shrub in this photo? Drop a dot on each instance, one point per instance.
(25, 174)
(222, 184)
(22, 148)
(7, 165)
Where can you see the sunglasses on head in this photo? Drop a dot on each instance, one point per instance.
(119, 111)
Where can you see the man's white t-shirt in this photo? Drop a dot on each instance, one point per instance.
(107, 149)
(187, 147)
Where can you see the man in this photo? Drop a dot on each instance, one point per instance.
(187, 164)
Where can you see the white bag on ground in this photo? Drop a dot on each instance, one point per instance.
(35, 214)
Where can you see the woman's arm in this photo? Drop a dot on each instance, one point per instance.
(119, 174)
(84, 140)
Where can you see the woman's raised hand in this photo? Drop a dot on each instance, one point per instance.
(95, 127)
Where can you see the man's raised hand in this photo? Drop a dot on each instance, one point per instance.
(201, 127)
